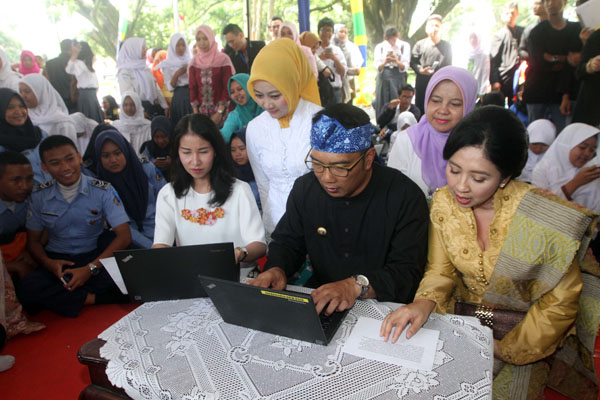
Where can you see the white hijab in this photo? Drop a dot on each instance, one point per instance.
(556, 169)
(174, 61)
(8, 77)
(130, 58)
(51, 108)
(539, 131)
(127, 122)
(405, 117)
(136, 129)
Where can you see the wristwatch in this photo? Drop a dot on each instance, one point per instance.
(363, 282)
(94, 269)
(554, 58)
(245, 251)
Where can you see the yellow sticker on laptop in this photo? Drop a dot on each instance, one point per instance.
(285, 296)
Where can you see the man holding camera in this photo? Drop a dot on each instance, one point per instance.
(332, 56)
(429, 55)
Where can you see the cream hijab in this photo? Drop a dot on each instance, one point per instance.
(556, 169)
(51, 108)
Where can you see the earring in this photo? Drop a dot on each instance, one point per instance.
(502, 185)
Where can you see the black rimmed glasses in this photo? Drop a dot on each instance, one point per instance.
(336, 170)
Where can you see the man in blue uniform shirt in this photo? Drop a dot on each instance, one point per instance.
(363, 225)
(72, 208)
(16, 182)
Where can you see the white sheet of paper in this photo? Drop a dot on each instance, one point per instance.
(589, 13)
(112, 268)
(418, 352)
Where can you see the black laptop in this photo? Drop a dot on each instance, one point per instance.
(171, 273)
(284, 313)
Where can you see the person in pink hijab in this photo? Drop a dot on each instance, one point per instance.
(288, 30)
(28, 63)
(209, 72)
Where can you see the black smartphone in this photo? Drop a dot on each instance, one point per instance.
(66, 278)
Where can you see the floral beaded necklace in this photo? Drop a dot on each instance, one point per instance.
(202, 216)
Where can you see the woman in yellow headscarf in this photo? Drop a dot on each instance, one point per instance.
(278, 140)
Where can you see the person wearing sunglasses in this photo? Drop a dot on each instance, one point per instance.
(363, 225)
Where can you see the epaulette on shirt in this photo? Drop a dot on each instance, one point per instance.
(44, 185)
(99, 183)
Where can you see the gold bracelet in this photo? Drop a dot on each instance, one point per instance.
(485, 315)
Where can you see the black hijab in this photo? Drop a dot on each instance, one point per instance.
(16, 138)
(89, 157)
(242, 172)
(131, 183)
(159, 123)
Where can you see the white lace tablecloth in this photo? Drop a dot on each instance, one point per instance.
(183, 350)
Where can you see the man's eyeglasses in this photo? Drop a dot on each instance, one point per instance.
(336, 170)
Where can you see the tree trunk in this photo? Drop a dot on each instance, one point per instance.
(443, 8)
(259, 19)
(380, 14)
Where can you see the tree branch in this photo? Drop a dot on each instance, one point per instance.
(205, 10)
(326, 7)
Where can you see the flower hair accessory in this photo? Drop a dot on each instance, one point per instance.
(330, 136)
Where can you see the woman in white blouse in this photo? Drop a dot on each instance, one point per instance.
(204, 203)
(278, 140)
(80, 65)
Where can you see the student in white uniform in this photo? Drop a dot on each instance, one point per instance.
(131, 122)
(46, 108)
(134, 76)
(80, 65)
(174, 69)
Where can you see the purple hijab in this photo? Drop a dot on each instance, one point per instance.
(428, 142)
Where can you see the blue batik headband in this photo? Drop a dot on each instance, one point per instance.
(329, 136)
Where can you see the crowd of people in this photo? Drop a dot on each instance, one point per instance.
(258, 144)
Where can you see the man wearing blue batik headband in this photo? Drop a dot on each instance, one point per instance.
(363, 225)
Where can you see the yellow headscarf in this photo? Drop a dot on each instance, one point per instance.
(283, 64)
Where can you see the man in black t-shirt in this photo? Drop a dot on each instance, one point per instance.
(550, 76)
(504, 53)
(428, 56)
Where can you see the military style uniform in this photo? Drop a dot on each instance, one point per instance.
(76, 232)
(11, 221)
